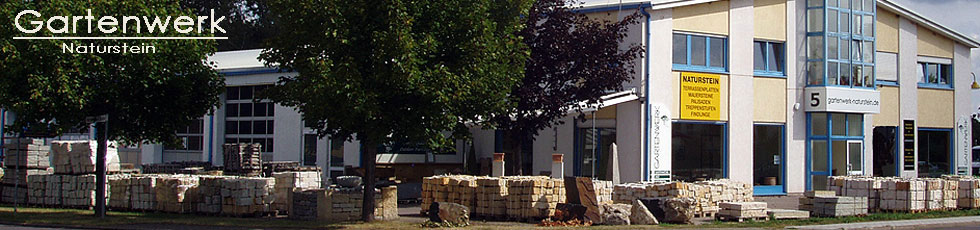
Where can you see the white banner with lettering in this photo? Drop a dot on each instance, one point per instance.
(659, 143)
(842, 100)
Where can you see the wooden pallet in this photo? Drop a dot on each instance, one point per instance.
(741, 219)
(706, 214)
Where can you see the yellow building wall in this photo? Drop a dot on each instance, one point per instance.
(769, 99)
(604, 113)
(936, 108)
(889, 115)
(709, 18)
(886, 33)
(770, 18)
(934, 45)
(675, 100)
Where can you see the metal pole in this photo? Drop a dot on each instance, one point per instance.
(17, 171)
(100, 167)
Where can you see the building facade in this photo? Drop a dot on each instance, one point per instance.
(777, 93)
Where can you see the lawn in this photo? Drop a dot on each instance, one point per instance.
(84, 218)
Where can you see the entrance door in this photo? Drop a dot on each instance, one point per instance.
(854, 166)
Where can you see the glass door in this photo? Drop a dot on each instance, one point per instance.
(854, 160)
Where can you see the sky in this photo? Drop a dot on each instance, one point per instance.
(960, 15)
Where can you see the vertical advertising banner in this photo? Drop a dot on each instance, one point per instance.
(963, 146)
(700, 96)
(659, 144)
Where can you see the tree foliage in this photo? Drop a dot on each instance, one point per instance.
(247, 23)
(573, 59)
(147, 96)
(395, 70)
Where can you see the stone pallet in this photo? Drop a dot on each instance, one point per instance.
(460, 189)
(742, 210)
(181, 167)
(288, 182)
(840, 206)
(303, 204)
(783, 214)
(968, 191)
(858, 187)
(76, 191)
(806, 202)
(532, 197)
(270, 168)
(246, 196)
(20, 177)
(79, 157)
(491, 197)
(706, 194)
(176, 193)
(13, 194)
(904, 195)
(27, 159)
(337, 204)
(243, 159)
(940, 194)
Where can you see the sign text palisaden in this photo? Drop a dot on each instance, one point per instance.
(842, 100)
(908, 145)
(700, 96)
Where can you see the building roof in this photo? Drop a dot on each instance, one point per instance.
(886, 4)
(238, 59)
(928, 23)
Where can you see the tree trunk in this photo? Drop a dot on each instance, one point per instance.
(102, 134)
(518, 153)
(368, 159)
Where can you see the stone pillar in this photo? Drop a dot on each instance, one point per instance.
(557, 166)
(498, 165)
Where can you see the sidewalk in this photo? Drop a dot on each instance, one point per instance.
(972, 222)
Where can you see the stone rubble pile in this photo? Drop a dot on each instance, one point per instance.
(243, 159)
(288, 182)
(79, 157)
(706, 194)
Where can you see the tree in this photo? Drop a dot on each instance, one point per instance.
(395, 70)
(247, 22)
(573, 59)
(147, 96)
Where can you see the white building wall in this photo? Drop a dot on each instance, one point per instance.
(629, 141)
(963, 107)
(740, 98)
(795, 164)
(908, 84)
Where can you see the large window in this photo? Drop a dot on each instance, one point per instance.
(595, 151)
(770, 58)
(935, 75)
(248, 120)
(191, 136)
(698, 151)
(700, 53)
(886, 150)
(934, 152)
(840, 42)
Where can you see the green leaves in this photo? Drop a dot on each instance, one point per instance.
(396, 70)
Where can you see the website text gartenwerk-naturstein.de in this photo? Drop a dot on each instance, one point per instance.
(110, 25)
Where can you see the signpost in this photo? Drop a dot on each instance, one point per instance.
(100, 163)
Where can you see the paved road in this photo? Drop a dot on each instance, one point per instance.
(966, 222)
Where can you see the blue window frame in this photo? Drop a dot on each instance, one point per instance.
(769, 59)
(841, 43)
(935, 75)
(823, 131)
(700, 53)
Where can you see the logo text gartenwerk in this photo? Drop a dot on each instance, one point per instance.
(114, 28)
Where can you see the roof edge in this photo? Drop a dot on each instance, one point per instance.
(922, 20)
